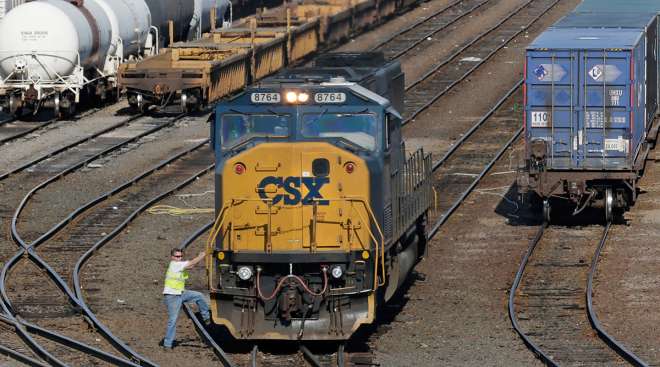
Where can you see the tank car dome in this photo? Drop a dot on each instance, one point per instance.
(42, 37)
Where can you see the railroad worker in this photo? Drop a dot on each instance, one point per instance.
(175, 293)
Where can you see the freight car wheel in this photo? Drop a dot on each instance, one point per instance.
(56, 106)
(547, 210)
(609, 204)
(184, 103)
(15, 105)
(136, 102)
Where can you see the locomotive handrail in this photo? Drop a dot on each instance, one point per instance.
(379, 252)
(379, 245)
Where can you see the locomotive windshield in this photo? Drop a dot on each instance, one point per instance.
(236, 128)
(361, 128)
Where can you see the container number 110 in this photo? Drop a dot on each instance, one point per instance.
(539, 119)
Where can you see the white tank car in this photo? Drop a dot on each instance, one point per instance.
(52, 50)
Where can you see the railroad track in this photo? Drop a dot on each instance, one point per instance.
(43, 171)
(13, 129)
(12, 346)
(435, 83)
(550, 302)
(81, 145)
(400, 43)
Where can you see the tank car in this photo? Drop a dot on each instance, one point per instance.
(320, 212)
(590, 103)
(51, 51)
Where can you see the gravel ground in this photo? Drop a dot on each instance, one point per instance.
(455, 313)
(56, 201)
(627, 288)
(131, 302)
(58, 135)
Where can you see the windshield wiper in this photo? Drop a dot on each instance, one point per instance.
(240, 113)
(277, 113)
(318, 117)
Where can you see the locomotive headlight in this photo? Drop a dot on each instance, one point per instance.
(291, 97)
(244, 272)
(303, 97)
(295, 97)
(337, 272)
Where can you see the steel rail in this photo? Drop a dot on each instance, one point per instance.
(70, 146)
(116, 231)
(21, 325)
(436, 165)
(27, 131)
(619, 348)
(8, 121)
(311, 358)
(430, 73)
(201, 330)
(412, 26)
(64, 340)
(15, 235)
(29, 250)
(43, 125)
(512, 294)
(21, 357)
(476, 126)
(593, 319)
(61, 283)
(474, 184)
(30, 341)
(76, 299)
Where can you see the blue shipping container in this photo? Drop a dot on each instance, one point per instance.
(584, 96)
(618, 6)
(646, 21)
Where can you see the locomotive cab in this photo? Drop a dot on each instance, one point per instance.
(305, 227)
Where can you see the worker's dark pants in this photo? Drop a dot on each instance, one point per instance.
(174, 303)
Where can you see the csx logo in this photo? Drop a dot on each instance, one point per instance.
(292, 186)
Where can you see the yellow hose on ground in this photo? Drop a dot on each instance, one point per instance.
(173, 210)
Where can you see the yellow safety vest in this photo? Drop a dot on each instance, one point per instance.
(175, 280)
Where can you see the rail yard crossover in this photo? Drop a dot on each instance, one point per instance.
(370, 182)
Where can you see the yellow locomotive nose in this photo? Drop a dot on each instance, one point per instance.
(293, 198)
(296, 226)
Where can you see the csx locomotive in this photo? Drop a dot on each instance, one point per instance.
(320, 213)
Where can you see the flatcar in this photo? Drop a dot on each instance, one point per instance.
(196, 74)
(591, 98)
(320, 212)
